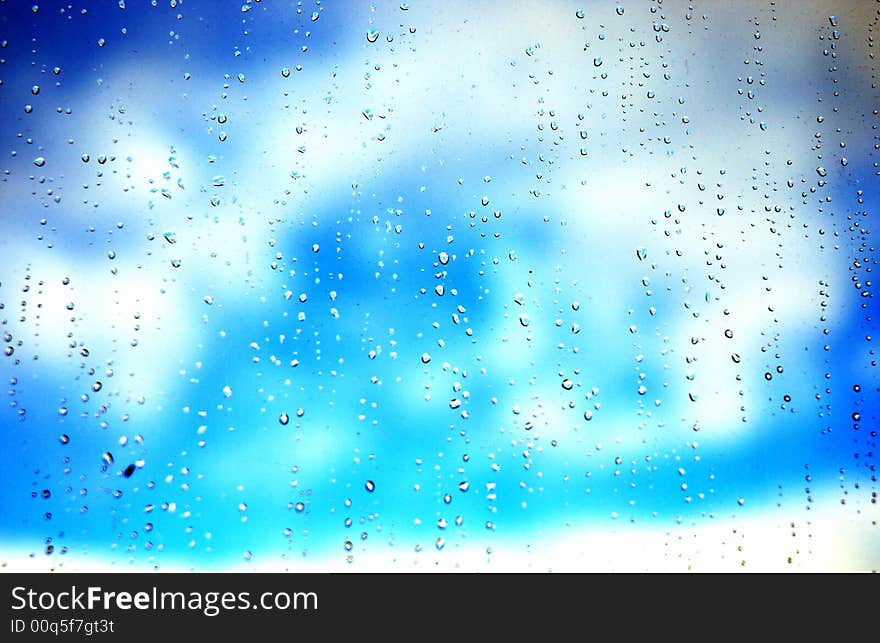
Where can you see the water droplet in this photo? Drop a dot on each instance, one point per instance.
(285, 72)
(129, 470)
(580, 14)
(35, 90)
(372, 35)
(833, 20)
(283, 419)
(107, 458)
(39, 161)
(619, 9)
(370, 486)
(426, 357)
(597, 61)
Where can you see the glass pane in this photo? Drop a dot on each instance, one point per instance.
(439, 286)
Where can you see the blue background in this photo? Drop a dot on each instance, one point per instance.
(240, 213)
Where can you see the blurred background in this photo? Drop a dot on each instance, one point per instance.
(438, 285)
